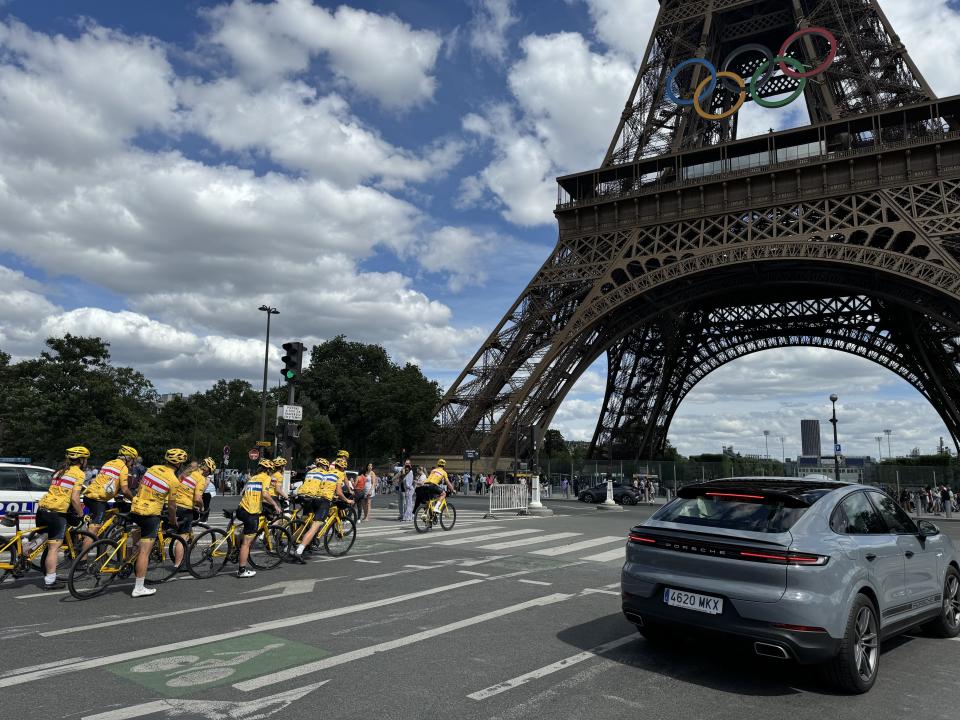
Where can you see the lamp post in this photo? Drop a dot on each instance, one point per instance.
(766, 450)
(836, 453)
(266, 358)
(879, 453)
(888, 433)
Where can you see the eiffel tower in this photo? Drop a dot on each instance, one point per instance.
(689, 248)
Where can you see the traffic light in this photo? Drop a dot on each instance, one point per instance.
(292, 361)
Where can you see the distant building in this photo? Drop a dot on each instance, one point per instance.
(164, 399)
(810, 438)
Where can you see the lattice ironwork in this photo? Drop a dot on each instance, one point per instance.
(842, 235)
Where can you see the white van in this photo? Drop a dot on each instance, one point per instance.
(21, 486)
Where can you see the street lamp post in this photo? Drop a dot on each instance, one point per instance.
(888, 433)
(879, 452)
(766, 452)
(836, 454)
(266, 358)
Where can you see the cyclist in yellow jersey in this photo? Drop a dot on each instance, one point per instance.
(189, 499)
(251, 505)
(276, 478)
(158, 487)
(320, 487)
(53, 508)
(109, 482)
(435, 485)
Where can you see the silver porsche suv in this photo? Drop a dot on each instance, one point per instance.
(811, 570)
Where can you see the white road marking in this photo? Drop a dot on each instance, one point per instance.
(363, 560)
(212, 709)
(534, 582)
(45, 593)
(599, 591)
(481, 538)
(44, 666)
(19, 677)
(549, 669)
(618, 554)
(528, 541)
(470, 572)
(583, 544)
(334, 661)
(426, 537)
(290, 587)
(409, 569)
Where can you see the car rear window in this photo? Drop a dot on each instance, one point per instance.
(765, 515)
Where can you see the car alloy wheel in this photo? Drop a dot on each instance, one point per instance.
(867, 646)
(951, 601)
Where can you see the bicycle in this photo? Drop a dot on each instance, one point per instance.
(211, 550)
(28, 551)
(339, 531)
(109, 558)
(436, 510)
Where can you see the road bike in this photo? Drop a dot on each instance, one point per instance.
(436, 510)
(109, 558)
(211, 550)
(339, 530)
(26, 551)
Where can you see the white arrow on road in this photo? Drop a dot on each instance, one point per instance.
(211, 709)
(289, 587)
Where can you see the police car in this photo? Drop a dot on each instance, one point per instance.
(21, 486)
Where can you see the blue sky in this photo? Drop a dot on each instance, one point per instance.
(379, 169)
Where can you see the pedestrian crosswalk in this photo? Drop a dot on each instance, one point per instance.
(476, 534)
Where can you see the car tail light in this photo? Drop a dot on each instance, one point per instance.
(799, 628)
(787, 558)
(633, 537)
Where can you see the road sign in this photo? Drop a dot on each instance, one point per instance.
(264, 443)
(470, 454)
(254, 454)
(836, 448)
(226, 450)
(290, 412)
(15, 460)
(226, 460)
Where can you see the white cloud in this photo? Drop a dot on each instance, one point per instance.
(624, 25)
(377, 55)
(929, 29)
(488, 30)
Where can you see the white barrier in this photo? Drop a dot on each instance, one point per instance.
(507, 498)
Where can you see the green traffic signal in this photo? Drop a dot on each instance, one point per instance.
(290, 374)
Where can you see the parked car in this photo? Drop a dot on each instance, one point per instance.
(806, 569)
(622, 494)
(21, 486)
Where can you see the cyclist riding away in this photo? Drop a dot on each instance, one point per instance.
(276, 479)
(109, 482)
(433, 486)
(189, 499)
(251, 505)
(319, 488)
(53, 508)
(158, 487)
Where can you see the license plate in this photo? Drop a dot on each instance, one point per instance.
(693, 601)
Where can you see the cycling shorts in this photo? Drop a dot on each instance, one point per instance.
(185, 519)
(148, 524)
(318, 506)
(54, 523)
(250, 521)
(95, 510)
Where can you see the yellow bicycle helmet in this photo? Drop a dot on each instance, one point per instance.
(279, 462)
(77, 452)
(341, 462)
(441, 463)
(321, 462)
(343, 454)
(126, 451)
(210, 464)
(266, 463)
(175, 455)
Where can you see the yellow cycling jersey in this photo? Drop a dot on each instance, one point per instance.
(276, 483)
(57, 497)
(252, 498)
(329, 482)
(109, 481)
(312, 484)
(157, 484)
(437, 476)
(190, 490)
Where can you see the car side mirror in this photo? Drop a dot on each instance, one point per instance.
(927, 529)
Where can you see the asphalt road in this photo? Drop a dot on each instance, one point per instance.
(506, 618)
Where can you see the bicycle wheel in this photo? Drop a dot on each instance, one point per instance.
(161, 566)
(69, 550)
(338, 541)
(94, 569)
(208, 554)
(421, 521)
(448, 517)
(267, 548)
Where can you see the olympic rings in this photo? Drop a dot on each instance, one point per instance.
(673, 76)
(736, 106)
(789, 66)
(822, 32)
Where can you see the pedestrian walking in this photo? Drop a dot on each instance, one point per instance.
(368, 489)
(406, 489)
(945, 501)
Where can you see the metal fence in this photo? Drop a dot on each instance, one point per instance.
(507, 498)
